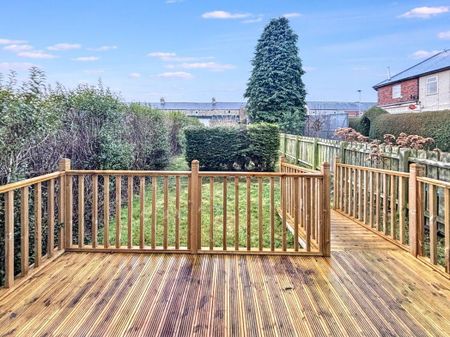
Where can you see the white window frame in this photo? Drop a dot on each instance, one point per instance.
(434, 79)
(397, 91)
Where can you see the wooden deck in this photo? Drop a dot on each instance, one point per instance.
(369, 287)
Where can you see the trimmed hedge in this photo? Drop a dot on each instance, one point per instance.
(366, 120)
(434, 124)
(353, 122)
(229, 148)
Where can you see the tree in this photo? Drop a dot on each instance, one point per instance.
(275, 90)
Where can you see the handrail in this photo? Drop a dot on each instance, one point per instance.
(438, 183)
(29, 182)
(373, 169)
(259, 174)
(128, 173)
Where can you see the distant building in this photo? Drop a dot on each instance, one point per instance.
(219, 112)
(423, 87)
(328, 108)
(207, 113)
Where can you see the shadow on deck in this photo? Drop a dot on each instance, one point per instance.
(369, 287)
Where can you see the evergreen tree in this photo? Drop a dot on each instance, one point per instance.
(275, 90)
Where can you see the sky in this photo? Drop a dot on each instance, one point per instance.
(193, 50)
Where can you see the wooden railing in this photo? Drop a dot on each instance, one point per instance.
(406, 208)
(284, 212)
(32, 215)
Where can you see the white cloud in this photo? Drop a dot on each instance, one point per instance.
(421, 54)
(173, 1)
(18, 47)
(444, 35)
(292, 15)
(103, 48)
(425, 12)
(17, 66)
(7, 41)
(134, 75)
(173, 57)
(213, 66)
(258, 18)
(64, 46)
(176, 75)
(86, 58)
(223, 15)
(165, 56)
(36, 54)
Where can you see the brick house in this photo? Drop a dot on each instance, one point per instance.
(423, 87)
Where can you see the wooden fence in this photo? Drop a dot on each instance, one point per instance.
(310, 152)
(402, 207)
(281, 213)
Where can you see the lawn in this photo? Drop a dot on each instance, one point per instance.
(218, 213)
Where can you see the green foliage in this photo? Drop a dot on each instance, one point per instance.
(264, 144)
(147, 133)
(275, 90)
(228, 148)
(354, 123)
(215, 148)
(27, 118)
(434, 124)
(367, 118)
(178, 121)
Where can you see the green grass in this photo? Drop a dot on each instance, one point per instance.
(205, 215)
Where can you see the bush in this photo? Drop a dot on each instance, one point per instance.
(147, 134)
(229, 148)
(264, 144)
(215, 148)
(178, 121)
(366, 120)
(354, 123)
(434, 124)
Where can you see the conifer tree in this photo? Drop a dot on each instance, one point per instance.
(275, 90)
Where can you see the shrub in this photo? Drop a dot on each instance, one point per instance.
(264, 144)
(366, 120)
(230, 148)
(354, 122)
(177, 122)
(147, 134)
(434, 124)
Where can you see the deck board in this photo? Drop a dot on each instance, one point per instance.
(369, 287)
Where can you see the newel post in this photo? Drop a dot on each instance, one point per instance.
(336, 178)
(66, 202)
(195, 207)
(326, 221)
(282, 161)
(415, 207)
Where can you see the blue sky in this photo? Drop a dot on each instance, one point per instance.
(192, 50)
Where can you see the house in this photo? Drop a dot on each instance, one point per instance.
(423, 87)
(328, 108)
(208, 113)
(213, 112)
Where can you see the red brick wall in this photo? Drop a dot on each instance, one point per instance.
(409, 88)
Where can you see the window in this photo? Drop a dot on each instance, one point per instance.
(432, 85)
(397, 91)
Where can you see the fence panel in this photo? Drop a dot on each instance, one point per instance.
(314, 151)
(408, 209)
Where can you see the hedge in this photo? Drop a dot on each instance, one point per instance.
(353, 122)
(365, 121)
(434, 124)
(230, 148)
